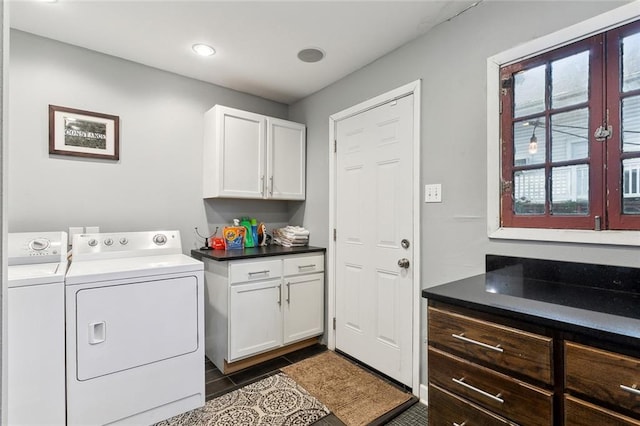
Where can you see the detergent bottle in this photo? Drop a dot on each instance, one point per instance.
(248, 235)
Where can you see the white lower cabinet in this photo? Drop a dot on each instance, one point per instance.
(255, 318)
(304, 307)
(257, 305)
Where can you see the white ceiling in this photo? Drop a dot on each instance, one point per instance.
(256, 41)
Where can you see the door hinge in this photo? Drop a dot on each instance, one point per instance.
(507, 187)
(500, 109)
(334, 234)
(334, 323)
(335, 145)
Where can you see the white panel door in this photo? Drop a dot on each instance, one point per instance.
(120, 327)
(286, 160)
(303, 307)
(241, 153)
(374, 213)
(255, 318)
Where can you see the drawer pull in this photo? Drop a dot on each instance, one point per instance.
(459, 424)
(496, 398)
(633, 389)
(265, 272)
(460, 336)
(307, 266)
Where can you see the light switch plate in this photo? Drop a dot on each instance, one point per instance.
(433, 193)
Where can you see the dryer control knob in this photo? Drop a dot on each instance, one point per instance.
(108, 242)
(93, 242)
(160, 239)
(39, 244)
(124, 241)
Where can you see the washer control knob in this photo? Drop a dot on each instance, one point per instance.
(108, 242)
(160, 239)
(124, 241)
(39, 244)
(93, 242)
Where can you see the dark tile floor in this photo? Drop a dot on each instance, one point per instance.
(217, 384)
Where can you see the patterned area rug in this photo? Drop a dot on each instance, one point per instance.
(274, 401)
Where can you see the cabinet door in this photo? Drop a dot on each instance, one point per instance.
(303, 307)
(255, 318)
(286, 160)
(234, 154)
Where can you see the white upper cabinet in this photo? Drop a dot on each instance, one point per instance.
(286, 159)
(249, 155)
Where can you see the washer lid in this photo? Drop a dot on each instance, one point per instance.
(39, 273)
(133, 267)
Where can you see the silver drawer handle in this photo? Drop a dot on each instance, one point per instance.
(460, 424)
(480, 391)
(306, 266)
(631, 389)
(460, 336)
(258, 273)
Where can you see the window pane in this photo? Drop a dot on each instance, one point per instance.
(631, 62)
(529, 145)
(528, 92)
(570, 135)
(570, 80)
(570, 190)
(631, 186)
(528, 192)
(631, 124)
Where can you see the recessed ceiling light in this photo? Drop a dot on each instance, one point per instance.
(311, 55)
(203, 49)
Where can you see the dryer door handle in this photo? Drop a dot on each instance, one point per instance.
(97, 332)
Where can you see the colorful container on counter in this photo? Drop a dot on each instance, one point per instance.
(233, 237)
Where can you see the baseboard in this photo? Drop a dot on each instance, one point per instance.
(424, 394)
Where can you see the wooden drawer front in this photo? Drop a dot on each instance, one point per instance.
(448, 409)
(252, 270)
(505, 347)
(581, 413)
(504, 395)
(303, 264)
(602, 375)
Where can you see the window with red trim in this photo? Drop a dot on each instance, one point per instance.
(570, 134)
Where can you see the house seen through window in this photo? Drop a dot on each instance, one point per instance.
(570, 131)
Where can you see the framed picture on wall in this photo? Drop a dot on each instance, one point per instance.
(83, 133)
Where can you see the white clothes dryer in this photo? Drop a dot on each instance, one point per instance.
(37, 262)
(135, 329)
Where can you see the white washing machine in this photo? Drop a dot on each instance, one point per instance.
(135, 329)
(37, 262)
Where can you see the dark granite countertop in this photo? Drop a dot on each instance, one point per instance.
(249, 253)
(587, 306)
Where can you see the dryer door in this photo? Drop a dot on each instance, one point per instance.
(124, 326)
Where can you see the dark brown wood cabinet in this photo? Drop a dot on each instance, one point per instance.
(486, 364)
(486, 369)
(609, 378)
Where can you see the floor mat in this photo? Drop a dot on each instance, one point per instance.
(274, 401)
(353, 394)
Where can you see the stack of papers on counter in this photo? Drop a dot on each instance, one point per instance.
(291, 236)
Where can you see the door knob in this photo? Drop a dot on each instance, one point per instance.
(403, 263)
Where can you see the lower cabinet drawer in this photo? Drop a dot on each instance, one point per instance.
(508, 397)
(607, 376)
(448, 409)
(505, 347)
(241, 271)
(581, 413)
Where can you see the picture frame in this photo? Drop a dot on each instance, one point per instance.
(81, 133)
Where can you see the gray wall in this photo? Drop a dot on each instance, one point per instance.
(4, 43)
(157, 182)
(451, 62)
